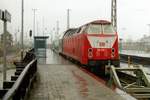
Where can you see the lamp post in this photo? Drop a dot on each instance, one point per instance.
(34, 10)
(114, 14)
(68, 18)
(5, 16)
(22, 29)
(4, 50)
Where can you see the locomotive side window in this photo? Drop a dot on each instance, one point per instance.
(108, 29)
(65, 34)
(83, 29)
(94, 29)
(69, 33)
(73, 31)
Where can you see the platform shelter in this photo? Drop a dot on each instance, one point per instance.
(40, 45)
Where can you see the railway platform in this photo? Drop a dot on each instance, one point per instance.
(58, 79)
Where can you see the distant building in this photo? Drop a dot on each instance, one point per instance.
(145, 39)
(142, 44)
(146, 42)
(9, 39)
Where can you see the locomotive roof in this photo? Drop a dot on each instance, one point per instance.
(70, 31)
(100, 22)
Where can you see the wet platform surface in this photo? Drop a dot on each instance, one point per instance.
(52, 58)
(59, 79)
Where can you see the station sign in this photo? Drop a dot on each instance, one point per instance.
(7, 16)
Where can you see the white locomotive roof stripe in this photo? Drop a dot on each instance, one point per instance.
(101, 42)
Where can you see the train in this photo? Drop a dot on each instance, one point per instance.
(94, 45)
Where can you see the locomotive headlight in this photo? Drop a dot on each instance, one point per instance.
(90, 52)
(112, 52)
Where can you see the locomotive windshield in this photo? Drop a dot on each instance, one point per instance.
(108, 29)
(100, 29)
(94, 29)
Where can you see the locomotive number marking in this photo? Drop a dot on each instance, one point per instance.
(101, 44)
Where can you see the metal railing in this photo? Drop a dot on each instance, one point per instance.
(20, 84)
(23, 83)
(135, 59)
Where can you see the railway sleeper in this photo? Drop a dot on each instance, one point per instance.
(141, 96)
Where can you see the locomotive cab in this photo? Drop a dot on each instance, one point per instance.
(106, 29)
(102, 46)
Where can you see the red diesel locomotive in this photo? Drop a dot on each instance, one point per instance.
(94, 44)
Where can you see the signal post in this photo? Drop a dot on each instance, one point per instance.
(5, 16)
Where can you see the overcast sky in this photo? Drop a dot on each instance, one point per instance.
(133, 15)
